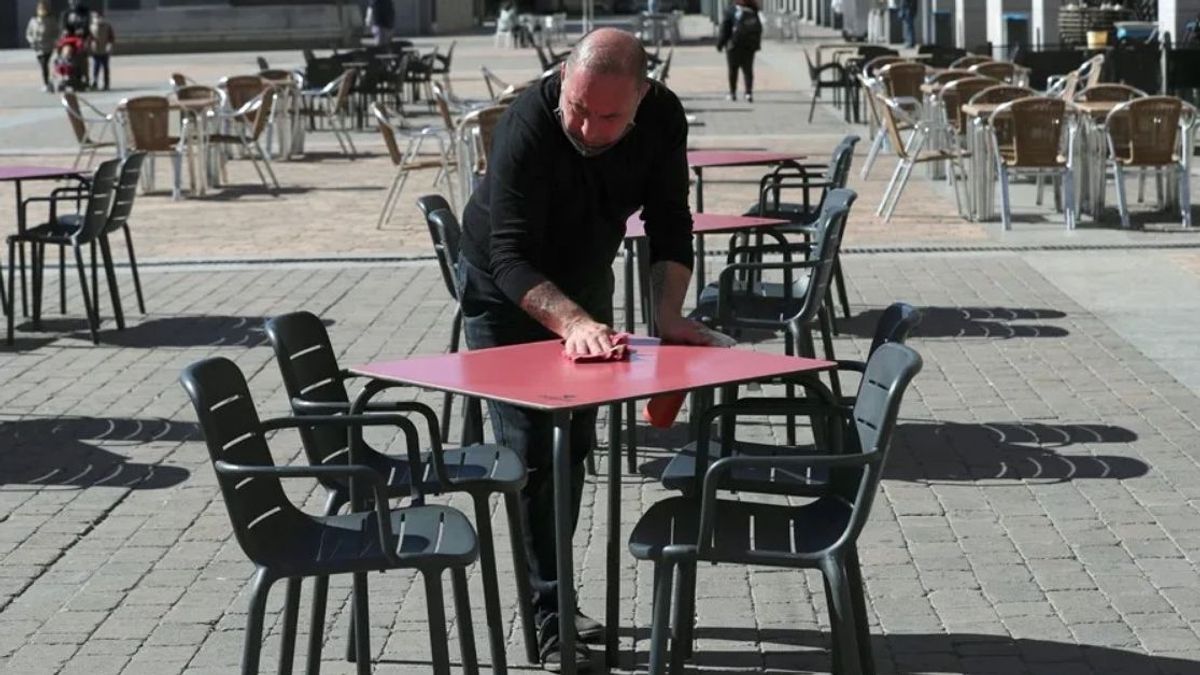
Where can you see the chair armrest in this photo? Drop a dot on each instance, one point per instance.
(718, 470)
(355, 471)
(780, 249)
(355, 423)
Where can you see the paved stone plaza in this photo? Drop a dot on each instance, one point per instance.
(1040, 511)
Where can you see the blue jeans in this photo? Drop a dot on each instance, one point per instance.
(908, 20)
(490, 319)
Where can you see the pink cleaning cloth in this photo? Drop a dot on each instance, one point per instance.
(618, 352)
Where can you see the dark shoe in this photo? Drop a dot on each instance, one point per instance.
(749, 97)
(588, 629)
(550, 650)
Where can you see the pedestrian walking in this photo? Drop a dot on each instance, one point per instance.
(41, 33)
(100, 44)
(741, 37)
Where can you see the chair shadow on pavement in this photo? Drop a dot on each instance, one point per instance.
(992, 453)
(1008, 453)
(912, 654)
(84, 452)
(942, 322)
(187, 331)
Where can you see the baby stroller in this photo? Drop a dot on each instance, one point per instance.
(70, 64)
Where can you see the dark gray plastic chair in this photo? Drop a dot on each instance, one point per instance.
(797, 305)
(802, 216)
(87, 230)
(285, 543)
(445, 234)
(316, 385)
(895, 324)
(821, 534)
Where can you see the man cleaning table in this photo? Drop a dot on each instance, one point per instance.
(570, 161)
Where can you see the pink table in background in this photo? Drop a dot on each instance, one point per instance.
(561, 387)
(16, 175)
(699, 160)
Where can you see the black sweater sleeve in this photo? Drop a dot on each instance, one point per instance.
(665, 205)
(518, 208)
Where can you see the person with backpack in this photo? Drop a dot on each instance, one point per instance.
(741, 36)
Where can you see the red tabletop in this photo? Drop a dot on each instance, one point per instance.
(535, 375)
(702, 223)
(698, 159)
(35, 172)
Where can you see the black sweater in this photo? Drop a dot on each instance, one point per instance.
(544, 212)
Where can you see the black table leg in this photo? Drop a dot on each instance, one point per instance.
(562, 540)
(612, 601)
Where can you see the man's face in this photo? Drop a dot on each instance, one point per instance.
(597, 110)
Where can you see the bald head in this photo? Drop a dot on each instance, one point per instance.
(609, 51)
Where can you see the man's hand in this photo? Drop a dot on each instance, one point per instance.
(587, 338)
(679, 330)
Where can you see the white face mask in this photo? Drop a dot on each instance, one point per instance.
(585, 149)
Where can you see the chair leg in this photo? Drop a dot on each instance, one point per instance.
(287, 641)
(437, 623)
(516, 534)
(177, 171)
(9, 307)
(93, 319)
(358, 647)
(252, 649)
(1185, 195)
(825, 319)
(387, 201)
(872, 154)
(660, 629)
(887, 192)
(110, 275)
(37, 253)
(62, 279)
(858, 604)
(841, 614)
(840, 280)
(448, 398)
(1122, 201)
(1068, 187)
(1040, 185)
(812, 105)
(1141, 194)
(685, 615)
(137, 281)
(95, 278)
(491, 591)
(266, 160)
(462, 616)
(1005, 203)
(899, 189)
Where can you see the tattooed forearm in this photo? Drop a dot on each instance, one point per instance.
(550, 307)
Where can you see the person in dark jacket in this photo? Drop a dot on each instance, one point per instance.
(381, 16)
(740, 37)
(77, 20)
(571, 159)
